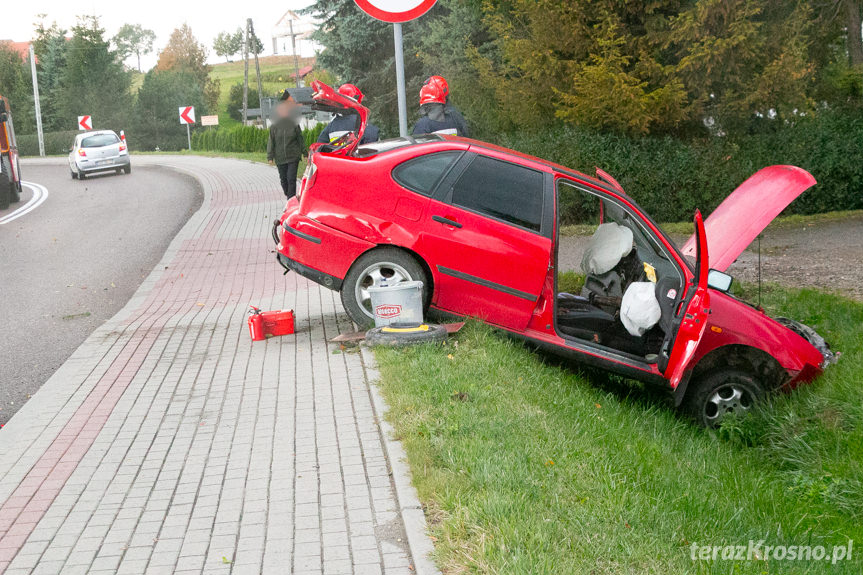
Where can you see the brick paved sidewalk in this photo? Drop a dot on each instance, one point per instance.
(170, 443)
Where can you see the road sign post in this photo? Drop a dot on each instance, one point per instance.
(36, 102)
(396, 12)
(187, 117)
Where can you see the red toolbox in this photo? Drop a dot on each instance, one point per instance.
(270, 323)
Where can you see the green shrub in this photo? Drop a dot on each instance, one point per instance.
(235, 101)
(672, 178)
(56, 143)
(241, 139)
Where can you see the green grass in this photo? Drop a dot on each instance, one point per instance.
(272, 68)
(528, 465)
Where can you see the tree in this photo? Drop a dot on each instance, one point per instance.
(51, 48)
(93, 80)
(161, 94)
(15, 85)
(227, 45)
(185, 54)
(134, 39)
(235, 101)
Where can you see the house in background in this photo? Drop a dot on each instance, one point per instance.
(295, 29)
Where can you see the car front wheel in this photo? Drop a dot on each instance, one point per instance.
(720, 393)
(371, 269)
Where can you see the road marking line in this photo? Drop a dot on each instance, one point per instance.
(40, 194)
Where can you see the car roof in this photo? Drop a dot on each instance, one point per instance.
(548, 164)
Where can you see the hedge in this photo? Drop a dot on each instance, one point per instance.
(56, 143)
(241, 139)
(671, 178)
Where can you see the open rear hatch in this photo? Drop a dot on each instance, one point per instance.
(326, 99)
(748, 210)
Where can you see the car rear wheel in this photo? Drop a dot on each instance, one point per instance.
(128, 169)
(721, 393)
(15, 191)
(384, 264)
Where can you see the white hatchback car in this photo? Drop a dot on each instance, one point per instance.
(98, 151)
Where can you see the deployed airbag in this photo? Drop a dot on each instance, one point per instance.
(639, 309)
(610, 243)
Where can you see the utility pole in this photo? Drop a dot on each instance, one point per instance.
(36, 102)
(400, 79)
(257, 70)
(246, 74)
(294, 51)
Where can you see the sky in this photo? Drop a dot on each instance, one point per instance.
(206, 18)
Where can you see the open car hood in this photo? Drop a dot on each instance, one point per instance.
(326, 99)
(748, 210)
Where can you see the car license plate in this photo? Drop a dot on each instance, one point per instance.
(104, 162)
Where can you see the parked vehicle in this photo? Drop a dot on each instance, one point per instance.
(98, 151)
(10, 167)
(481, 226)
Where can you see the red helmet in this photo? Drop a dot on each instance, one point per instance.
(440, 82)
(351, 91)
(432, 94)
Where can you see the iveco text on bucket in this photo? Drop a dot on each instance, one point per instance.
(398, 303)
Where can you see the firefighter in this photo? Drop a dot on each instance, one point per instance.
(450, 109)
(286, 143)
(344, 123)
(437, 118)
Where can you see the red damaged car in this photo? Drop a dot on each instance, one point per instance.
(480, 226)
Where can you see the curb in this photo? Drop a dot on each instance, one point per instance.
(410, 508)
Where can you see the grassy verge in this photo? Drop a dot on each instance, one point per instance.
(528, 465)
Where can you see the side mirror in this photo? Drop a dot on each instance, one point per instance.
(719, 280)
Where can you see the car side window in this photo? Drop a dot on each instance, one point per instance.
(422, 174)
(501, 190)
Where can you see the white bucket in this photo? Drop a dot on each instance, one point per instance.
(398, 303)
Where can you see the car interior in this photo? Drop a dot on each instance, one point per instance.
(624, 293)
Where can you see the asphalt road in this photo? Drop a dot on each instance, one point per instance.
(74, 261)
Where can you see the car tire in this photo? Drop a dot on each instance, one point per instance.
(82, 176)
(405, 336)
(384, 262)
(6, 183)
(719, 393)
(128, 169)
(74, 175)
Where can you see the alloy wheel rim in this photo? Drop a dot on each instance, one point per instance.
(728, 398)
(373, 276)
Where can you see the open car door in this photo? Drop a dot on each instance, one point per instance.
(693, 321)
(326, 99)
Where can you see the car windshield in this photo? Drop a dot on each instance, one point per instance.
(99, 141)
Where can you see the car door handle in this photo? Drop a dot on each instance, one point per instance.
(446, 221)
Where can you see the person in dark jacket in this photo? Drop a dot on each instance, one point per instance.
(344, 123)
(437, 118)
(286, 144)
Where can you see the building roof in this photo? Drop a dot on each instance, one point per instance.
(23, 48)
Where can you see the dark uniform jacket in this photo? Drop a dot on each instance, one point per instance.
(440, 119)
(342, 124)
(286, 143)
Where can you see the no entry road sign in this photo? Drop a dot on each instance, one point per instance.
(395, 10)
(85, 123)
(187, 115)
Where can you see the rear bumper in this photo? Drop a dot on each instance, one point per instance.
(91, 166)
(316, 276)
(314, 250)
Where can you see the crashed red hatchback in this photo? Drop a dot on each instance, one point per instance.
(483, 228)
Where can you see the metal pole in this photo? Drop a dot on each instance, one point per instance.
(400, 80)
(294, 51)
(189, 136)
(257, 69)
(246, 74)
(36, 101)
